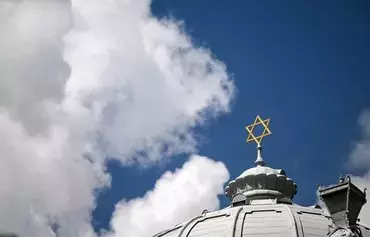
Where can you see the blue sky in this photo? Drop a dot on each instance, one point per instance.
(305, 65)
(131, 111)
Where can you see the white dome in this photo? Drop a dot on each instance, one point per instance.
(280, 220)
(258, 170)
(261, 205)
(261, 182)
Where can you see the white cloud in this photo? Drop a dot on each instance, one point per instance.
(176, 197)
(31, 67)
(43, 176)
(145, 73)
(360, 158)
(79, 76)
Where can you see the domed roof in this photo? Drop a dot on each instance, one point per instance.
(261, 205)
(258, 170)
(255, 220)
(262, 182)
(280, 220)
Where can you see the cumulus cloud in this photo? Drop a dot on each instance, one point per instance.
(143, 76)
(31, 67)
(360, 158)
(82, 80)
(45, 181)
(176, 197)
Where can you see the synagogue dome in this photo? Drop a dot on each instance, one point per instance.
(261, 204)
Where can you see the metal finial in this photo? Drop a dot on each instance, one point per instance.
(259, 160)
(258, 139)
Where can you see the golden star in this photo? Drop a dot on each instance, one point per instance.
(250, 128)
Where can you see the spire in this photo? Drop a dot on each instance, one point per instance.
(259, 161)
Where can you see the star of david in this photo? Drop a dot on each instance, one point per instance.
(250, 128)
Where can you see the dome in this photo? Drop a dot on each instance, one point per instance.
(262, 182)
(278, 220)
(262, 205)
(252, 220)
(259, 170)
